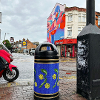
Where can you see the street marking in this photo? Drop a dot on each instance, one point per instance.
(17, 84)
(60, 78)
(67, 61)
(64, 61)
(68, 73)
(9, 84)
(70, 77)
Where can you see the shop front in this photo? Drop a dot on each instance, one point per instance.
(67, 47)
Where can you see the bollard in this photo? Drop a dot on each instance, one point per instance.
(46, 72)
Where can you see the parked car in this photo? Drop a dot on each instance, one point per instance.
(32, 51)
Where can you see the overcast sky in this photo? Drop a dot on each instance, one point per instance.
(28, 18)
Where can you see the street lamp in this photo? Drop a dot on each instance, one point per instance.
(5, 35)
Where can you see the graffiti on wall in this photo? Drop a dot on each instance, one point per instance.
(56, 23)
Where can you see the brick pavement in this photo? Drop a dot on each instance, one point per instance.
(24, 91)
(67, 91)
(17, 93)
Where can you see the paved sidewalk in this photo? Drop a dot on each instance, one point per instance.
(67, 91)
(23, 89)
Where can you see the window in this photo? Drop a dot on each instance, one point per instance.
(83, 27)
(98, 20)
(69, 31)
(69, 17)
(81, 17)
(79, 30)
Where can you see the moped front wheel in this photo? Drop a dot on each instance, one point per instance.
(11, 76)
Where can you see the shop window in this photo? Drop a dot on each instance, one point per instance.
(69, 31)
(69, 51)
(69, 17)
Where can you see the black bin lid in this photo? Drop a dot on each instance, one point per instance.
(51, 52)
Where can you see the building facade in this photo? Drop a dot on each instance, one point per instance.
(75, 21)
(56, 23)
(0, 22)
(24, 45)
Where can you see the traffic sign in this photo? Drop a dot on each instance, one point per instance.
(12, 39)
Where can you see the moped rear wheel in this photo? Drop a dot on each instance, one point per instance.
(11, 77)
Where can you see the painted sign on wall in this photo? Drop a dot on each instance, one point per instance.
(56, 23)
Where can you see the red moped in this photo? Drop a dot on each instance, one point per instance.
(7, 70)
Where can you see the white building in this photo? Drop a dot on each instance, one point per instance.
(75, 21)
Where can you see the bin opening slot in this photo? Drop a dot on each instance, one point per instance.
(46, 48)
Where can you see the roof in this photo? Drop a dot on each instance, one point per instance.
(75, 8)
(78, 9)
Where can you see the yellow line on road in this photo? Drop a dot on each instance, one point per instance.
(16, 84)
(12, 83)
(70, 77)
(9, 84)
(60, 78)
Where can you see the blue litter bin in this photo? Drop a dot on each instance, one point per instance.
(46, 72)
